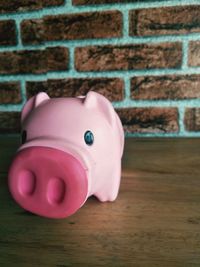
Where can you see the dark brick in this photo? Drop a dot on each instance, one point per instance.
(165, 20)
(165, 87)
(128, 57)
(34, 61)
(149, 120)
(10, 93)
(194, 54)
(105, 24)
(9, 122)
(112, 88)
(192, 119)
(8, 35)
(23, 5)
(96, 2)
(32, 31)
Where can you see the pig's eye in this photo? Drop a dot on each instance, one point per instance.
(23, 137)
(89, 138)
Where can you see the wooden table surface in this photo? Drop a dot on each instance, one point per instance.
(154, 222)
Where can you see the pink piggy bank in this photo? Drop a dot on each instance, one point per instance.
(71, 149)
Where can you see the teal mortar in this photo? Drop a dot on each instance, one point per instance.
(126, 75)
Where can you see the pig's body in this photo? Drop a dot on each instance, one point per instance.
(55, 170)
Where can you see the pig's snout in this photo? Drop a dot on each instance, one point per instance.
(48, 182)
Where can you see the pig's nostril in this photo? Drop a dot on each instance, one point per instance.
(26, 183)
(56, 190)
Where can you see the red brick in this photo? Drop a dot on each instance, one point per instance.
(34, 61)
(194, 54)
(9, 122)
(112, 88)
(8, 34)
(10, 93)
(106, 24)
(149, 120)
(165, 20)
(165, 87)
(96, 2)
(192, 119)
(23, 5)
(128, 57)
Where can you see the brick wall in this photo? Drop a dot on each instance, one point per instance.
(143, 55)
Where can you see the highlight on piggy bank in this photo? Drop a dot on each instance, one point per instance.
(71, 149)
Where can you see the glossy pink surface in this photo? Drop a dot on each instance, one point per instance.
(48, 182)
(55, 170)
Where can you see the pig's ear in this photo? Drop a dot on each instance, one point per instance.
(40, 98)
(94, 100)
(32, 103)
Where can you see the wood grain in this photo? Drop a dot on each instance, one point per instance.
(154, 222)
